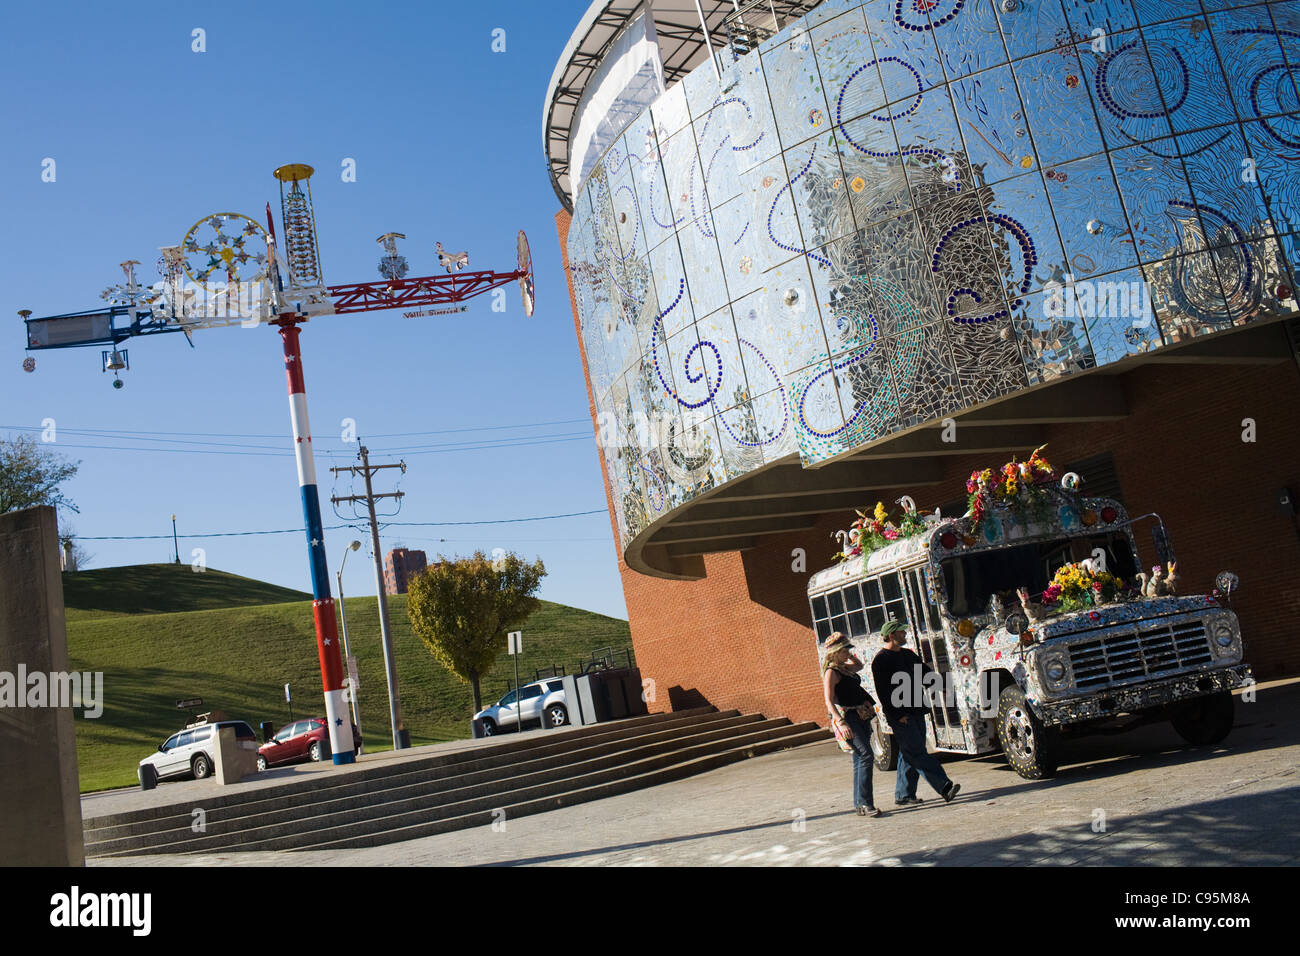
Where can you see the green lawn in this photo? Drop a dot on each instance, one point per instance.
(159, 588)
(239, 658)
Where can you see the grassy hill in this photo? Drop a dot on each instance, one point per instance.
(238, 659)
(160, 588)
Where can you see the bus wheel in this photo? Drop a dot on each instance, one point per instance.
(882, 745)
(1030, 748)
(1204, 720)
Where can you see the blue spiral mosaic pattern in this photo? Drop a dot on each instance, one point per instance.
(897, 209)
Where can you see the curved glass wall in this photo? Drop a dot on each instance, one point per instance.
(897, 209)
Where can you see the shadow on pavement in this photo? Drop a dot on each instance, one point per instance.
(1210, 833)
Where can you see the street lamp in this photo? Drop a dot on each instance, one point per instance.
(348, 662)
(175, 544)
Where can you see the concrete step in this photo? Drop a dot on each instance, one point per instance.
(405, 799)
(285, 831)
(360, 777)
(371, 797)
(521, 795)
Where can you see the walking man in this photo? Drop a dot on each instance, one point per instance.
(899, 676)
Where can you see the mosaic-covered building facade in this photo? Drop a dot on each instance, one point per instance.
(894, 212)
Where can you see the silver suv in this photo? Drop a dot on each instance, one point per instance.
(535, 699)
(193, 750)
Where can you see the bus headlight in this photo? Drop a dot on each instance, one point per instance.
(1055, 671)
(1223, 635)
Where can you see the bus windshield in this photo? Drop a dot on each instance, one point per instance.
(973, 582)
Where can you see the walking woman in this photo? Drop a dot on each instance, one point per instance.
(850, 708)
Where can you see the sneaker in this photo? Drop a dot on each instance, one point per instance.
(873, 812)
(908, 801)
(951, 792)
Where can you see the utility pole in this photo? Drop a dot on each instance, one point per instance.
(367, 470)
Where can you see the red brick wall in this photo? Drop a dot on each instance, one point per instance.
(742, 638)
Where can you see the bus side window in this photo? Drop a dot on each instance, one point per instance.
(857, 616)
(835, 602)
(927, 597)
(914, 593)
(895, 605)
(820, 619)
(874, 605)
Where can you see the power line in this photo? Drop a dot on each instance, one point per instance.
(486, 445)
(449, 524)
(338, 527)
(128, 433)
(208, 534)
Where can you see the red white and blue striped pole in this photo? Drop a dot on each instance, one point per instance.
(327, 642)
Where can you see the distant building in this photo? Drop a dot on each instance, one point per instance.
(400, 565)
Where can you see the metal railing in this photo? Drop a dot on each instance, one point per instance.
(749, 25)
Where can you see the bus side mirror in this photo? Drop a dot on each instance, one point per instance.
(1164, 553)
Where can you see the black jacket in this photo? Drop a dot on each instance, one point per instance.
(889, 688)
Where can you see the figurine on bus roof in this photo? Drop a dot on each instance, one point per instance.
(1033, 610)
(1162, 583)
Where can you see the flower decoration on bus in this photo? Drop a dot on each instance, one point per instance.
(1079, 586)
(1021, 487)
(872, 532)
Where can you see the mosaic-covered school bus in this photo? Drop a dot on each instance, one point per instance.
(1034, 611)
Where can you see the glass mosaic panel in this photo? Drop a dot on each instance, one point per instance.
(1156, 198)
(793, 81)
(903, 35)
(971, 42)
(1128, 99)
(1034, 26)
(1191, 82)
(1089, 216)
(1249, 50)
(874, 185)
(993, 125)
(942, 229)
(817, 188)
(932, 150)
(1058, 110)
(1086, 17)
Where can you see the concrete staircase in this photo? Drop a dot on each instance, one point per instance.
(403, 799)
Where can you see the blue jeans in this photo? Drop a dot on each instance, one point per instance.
(909, 738)
(863, 758)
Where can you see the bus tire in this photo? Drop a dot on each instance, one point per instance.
(1030, 748)
(1204, 720)
(883, 746)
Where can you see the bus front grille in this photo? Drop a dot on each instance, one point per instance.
(1151, 649)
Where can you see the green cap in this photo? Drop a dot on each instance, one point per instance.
(892, 625)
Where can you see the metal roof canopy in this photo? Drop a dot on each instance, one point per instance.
(682, 47)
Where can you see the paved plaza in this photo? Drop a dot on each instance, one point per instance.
(1136, 799)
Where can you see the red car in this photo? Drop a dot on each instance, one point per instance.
(302, 740)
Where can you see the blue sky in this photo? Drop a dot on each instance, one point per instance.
(149, 136)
